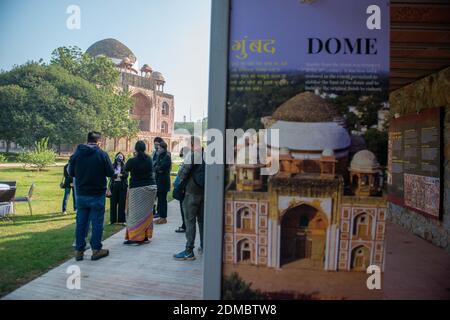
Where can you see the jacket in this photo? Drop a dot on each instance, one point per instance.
(163, 166)
(187, 169)
(68, 180)
(123, 178)
(90, 166)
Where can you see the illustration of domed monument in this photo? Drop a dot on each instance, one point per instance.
(154, 109)
(320, 211)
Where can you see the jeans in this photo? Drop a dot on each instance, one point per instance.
(66, 199)
(193, 212)
(117, 208)
(162, 204)
(90, 209)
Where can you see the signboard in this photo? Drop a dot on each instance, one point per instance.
(415, 162)
(297, 66)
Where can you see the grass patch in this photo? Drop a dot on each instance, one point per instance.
(34, 244)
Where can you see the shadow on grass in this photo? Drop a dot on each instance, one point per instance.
(22, 260)
(18, 220)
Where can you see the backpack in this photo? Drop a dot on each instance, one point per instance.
(199, 174)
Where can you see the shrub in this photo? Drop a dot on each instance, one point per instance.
(234, 288)
(3, 158)
(41, 157)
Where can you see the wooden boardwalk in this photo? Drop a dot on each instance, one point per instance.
(144, 272)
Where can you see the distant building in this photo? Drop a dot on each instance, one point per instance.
(154, 109)
(319, 211)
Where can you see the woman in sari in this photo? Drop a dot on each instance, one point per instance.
(141, 197)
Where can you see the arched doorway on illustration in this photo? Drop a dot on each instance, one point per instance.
(303, 238)
(360, 258)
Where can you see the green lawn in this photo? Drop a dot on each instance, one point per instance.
(33, 244)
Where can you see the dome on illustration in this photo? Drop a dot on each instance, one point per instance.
(113, 49)
(307, 122)
(364, 161)
(306, 107)
(158, 76)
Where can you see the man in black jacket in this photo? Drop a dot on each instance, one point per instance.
(90, 166)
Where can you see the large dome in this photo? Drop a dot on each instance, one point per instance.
(364, 161)
(307, 123)
(306, 107)
(309, 136)
(111, 48)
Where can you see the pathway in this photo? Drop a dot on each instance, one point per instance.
(144, 272)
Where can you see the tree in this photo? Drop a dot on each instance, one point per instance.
(234, 288)
(343, 102)
(97, 70)
(58, 105)
(63, 100)
(369, 111)
(377, 142)
(116, 121)
(352, 121)
(13, 114)
(101, 71)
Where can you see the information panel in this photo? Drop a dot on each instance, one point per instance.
(414, 161)
(310, 74)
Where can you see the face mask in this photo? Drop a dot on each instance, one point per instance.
(119, 158)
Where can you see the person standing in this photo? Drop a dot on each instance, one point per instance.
(141, 197)
(192, 174)
(163, 166)
(118, 186)
(90, 166)
(156, 143)
(179, 195)
(67, 185)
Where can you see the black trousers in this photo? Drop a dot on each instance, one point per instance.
(162, 204)
(183, 226)
(117, 209)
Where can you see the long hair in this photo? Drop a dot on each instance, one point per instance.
(115, 163)
(140, 148)
(163, 145)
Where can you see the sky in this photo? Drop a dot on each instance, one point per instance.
(292, 23)
(172, 36)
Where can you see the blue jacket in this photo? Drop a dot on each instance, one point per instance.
(90, 165)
